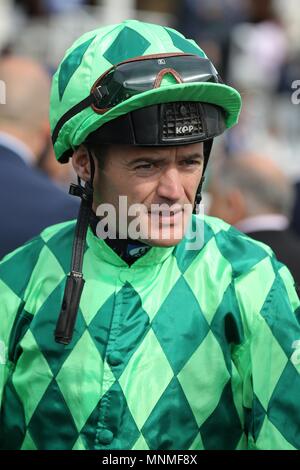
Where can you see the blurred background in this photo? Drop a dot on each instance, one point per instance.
(254, 44)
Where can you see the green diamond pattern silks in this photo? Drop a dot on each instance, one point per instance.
(185, 349)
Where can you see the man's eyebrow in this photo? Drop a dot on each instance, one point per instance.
(192, 156)
(159, 158)
(147, 158)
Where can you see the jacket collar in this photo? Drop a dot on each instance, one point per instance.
(156, 255)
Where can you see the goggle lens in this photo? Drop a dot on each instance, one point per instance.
(136, 76)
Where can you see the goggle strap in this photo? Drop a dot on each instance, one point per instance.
(94, 98)
(71, 113)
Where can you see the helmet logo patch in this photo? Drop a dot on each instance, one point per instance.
(180, 130)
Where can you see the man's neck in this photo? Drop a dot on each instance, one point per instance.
(129, 250)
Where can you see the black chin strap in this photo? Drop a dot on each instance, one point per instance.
(207, 149)
(75, 282)
(198, 198)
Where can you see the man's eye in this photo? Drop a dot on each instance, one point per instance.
(191, 162)
(145, 166)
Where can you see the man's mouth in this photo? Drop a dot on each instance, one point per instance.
(165, 213)
(167, 216)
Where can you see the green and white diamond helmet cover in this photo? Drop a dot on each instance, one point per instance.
(96, 52)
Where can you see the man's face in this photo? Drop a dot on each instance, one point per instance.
(151, 177)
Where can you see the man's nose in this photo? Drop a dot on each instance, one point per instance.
(170, 185)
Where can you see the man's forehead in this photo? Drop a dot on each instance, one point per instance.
(131, 152)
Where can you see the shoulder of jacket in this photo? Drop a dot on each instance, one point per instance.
(16, 268)
(241, 251)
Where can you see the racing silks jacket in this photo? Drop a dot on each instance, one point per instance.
(184, 349)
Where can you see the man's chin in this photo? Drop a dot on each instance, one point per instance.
(163, 241)
(164, 235)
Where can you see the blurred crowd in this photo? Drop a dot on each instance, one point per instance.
(255, 45)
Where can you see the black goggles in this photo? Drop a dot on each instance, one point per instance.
(138, 75)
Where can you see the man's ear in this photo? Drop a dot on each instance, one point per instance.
(81, 163)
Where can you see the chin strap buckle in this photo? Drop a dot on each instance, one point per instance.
(84, 192)
(76, 190)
